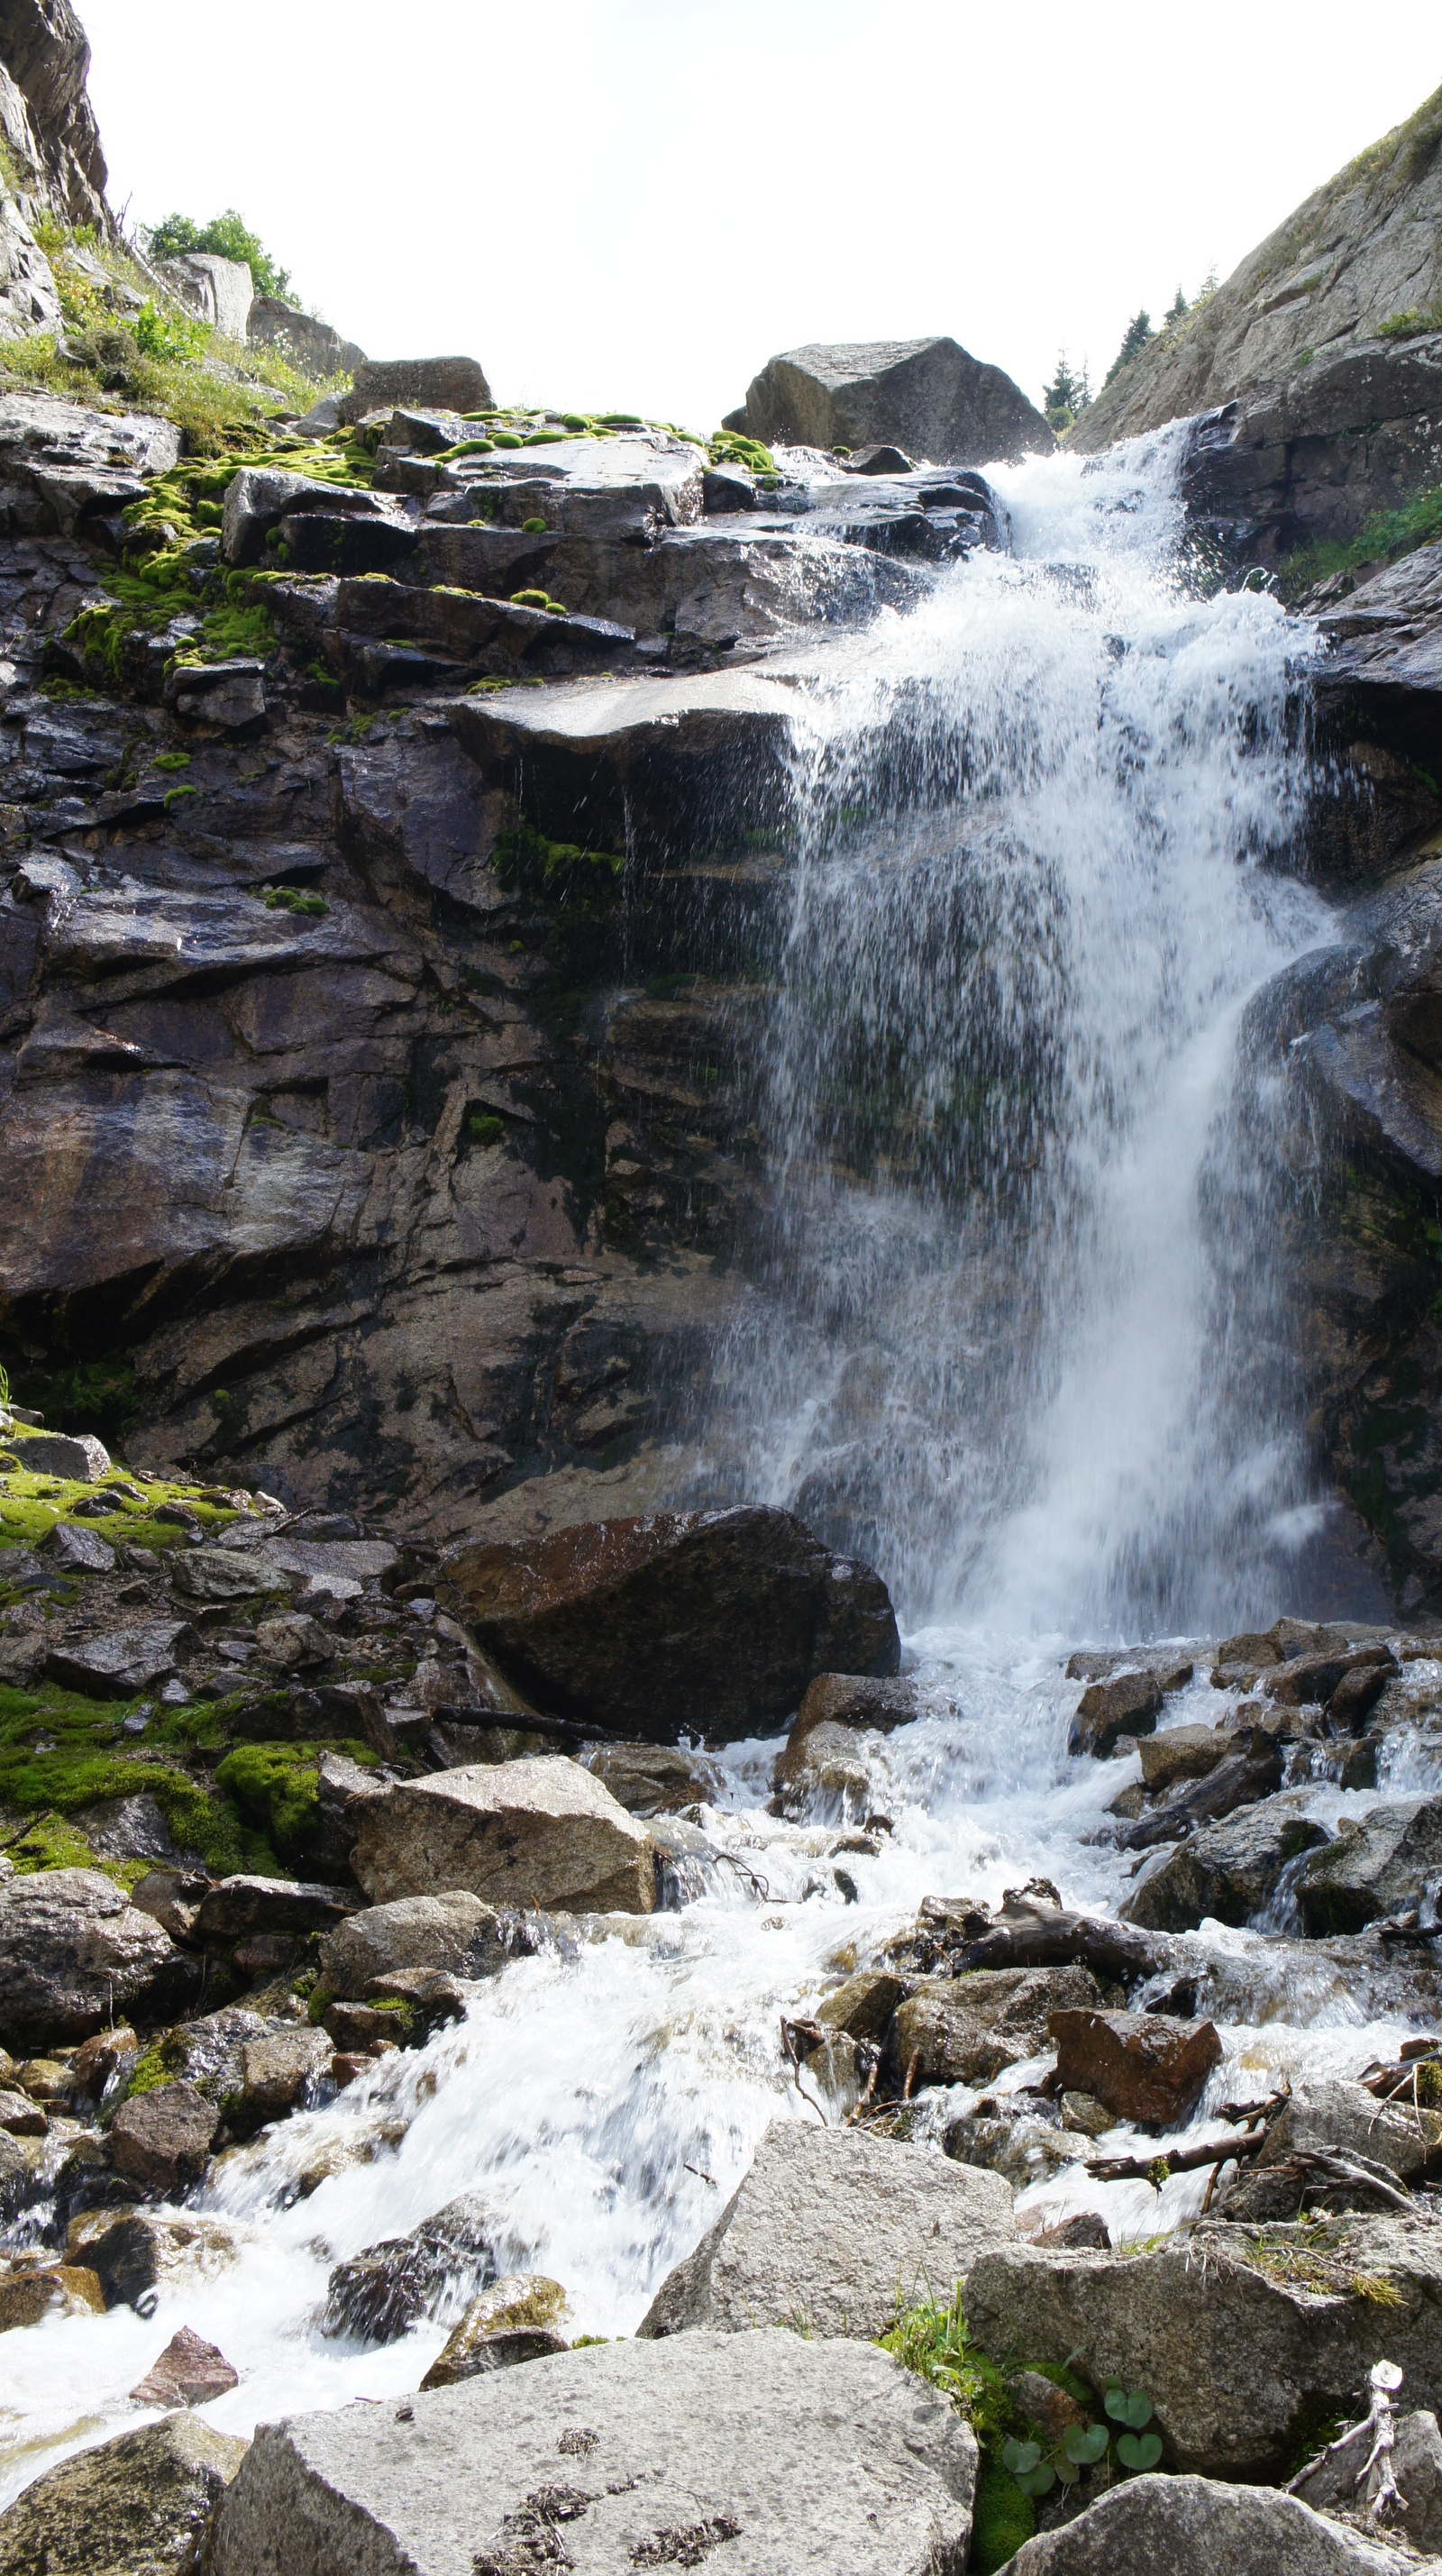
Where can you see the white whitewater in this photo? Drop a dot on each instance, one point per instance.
(1019, 1333)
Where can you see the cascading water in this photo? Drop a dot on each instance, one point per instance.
(1015, 1332)
(1012, 1218)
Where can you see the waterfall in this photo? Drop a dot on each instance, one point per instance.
(1016, 1333)
(1015, 1329)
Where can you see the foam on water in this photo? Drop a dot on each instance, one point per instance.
(1016, 1333)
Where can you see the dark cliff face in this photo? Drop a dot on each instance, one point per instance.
(44, 49)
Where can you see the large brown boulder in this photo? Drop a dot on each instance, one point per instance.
(713, 1621)
(964, 2030)
(161, 2139)
(537, 1833)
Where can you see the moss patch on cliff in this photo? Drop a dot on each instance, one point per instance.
(1383, 539)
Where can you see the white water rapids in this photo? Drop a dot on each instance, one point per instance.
(1019, 1340)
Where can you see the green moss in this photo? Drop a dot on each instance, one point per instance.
(485, 1129)
(289, 899)
(538, 599)
(49, 1843)
(526, 861)
(1002, 2518)
(171, 760)
(274, 1787)
(319, 2004)
(728, 447)
(150, 2071)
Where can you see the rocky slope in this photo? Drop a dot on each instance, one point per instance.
(1317, 362)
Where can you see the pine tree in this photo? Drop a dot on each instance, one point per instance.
(1066, 395)
(1177, 310)
(1138, 332)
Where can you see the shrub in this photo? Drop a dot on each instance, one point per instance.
(226, 236)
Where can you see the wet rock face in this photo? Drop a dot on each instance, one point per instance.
(818, 2453)
(715, 1621)
(160, 2140)
(1376, 1865)
(135, 2506)
(445, 2260)
(965, 2030)
(1228, 1870)
(929, 398)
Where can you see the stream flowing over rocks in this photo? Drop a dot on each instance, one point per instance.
(727, 1810)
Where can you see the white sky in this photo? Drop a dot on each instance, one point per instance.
(632, 204)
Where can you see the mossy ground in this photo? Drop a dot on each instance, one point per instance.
(61, 1751)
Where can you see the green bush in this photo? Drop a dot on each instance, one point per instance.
(226, 236)
(179, 337)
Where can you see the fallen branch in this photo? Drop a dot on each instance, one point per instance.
(1358, 2173)
(1212, 2151)
(1380, 2421)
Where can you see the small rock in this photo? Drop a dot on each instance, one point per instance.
(63, 2289)
(1084, 2112)
(135, 2506)
(74, 1954)
(524, 2304)
(1181, 1753)
(727, 488)
(171, 1897)
(99, 2059)
(434, 384)
(1145, 2067)
(381, 2292)
(135, 2253)
(292, 1642)
(161, 2139)
(964, 2030)
(1044, 2404)
(1332, 2115)
(188, 2373)
(227, 1573)
(81, 1549)
(532, 1833)
(1377, 1865)
(21, 2117)
(236, 1907)
(44, 2079)
(1228, 1870)
(126, 1829)
(864, 2006)
(279, 2072)
(1106, 1711)
(652, 1779)
(80, 1460)
(1086, 2230)
(454, 1933)
(879, 459)
(128, 1660)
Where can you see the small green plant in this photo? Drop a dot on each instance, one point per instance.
(290, 899)
(176, 795)
(1137, 2449)
(181, 339)
(533, 527)
(525, 860)
(538, 599)
(728, 447)
(486, 1130)
(171, 760)
(1411, 325)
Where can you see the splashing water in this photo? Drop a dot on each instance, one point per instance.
(1015, 1332)
(1014, 1224)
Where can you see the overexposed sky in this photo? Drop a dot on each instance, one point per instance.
(632, 204)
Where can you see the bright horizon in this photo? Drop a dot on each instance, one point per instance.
(634, 203)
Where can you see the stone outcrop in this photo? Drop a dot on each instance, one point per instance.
(821, 2452)
(49, 121)
(1229, 1870)
(313, 348)
(1228, 2348)
(442, 2263)
(829, 2233)
(709, 1620)
(930, 398)
(138, 2505)
(541, 1832)
(1316, 365)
